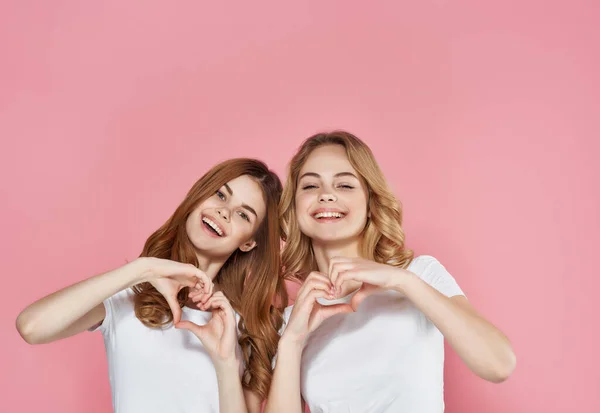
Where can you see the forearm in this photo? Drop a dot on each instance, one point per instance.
(47, 318)
(284, 395)
(483, 348)
(231, 392)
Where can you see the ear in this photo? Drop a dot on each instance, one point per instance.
(248, 246)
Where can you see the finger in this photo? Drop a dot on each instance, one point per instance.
(316, 275)
(326, 312)
(338, 260)
(206, 297)
(196, 291)
(204, 280)
(197, 276)
(347, 276)
(308, 304)
(175, 308)
(187, 281)
(199, 298)
(337, 268)
(218, 302)
(225, 311)
(207, 304)
(193, 327)
(221, 307)
(218, 294)
(313, 277)
(315, 284)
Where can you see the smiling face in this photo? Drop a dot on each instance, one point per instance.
(228, 219)
(331, 198)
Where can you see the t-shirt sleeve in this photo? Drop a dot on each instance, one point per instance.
(286, 317)
(435, 274)
(114, 306)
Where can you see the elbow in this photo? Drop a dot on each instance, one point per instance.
(26, 330)
(503, 369)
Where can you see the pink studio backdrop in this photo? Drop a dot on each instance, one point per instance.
(483, 115)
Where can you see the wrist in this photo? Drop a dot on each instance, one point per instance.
(228, 365)
(141, 270)
(402, 280)
(288, 343)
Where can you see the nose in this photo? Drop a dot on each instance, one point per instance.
(223, 213)
(324, 198)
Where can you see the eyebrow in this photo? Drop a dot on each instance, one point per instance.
(315, 175)
(248, 207)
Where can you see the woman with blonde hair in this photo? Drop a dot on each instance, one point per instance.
(366, 332)
(213, 265)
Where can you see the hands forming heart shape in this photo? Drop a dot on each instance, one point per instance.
(311, 309)
(219, 335)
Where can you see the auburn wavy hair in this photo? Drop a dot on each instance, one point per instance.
(382, 240)
(252, 281)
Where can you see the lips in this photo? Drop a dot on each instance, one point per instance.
(328, 214)
(212, 226)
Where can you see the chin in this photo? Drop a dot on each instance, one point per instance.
(332, 238)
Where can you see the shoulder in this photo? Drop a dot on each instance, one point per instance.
(430, 270)
(424, 263)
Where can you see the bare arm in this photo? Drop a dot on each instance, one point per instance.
(307, 315)
(284, 394)
(483, 347)
(76, 308)
(219, 339)
(253, 401)
(231, 394)
(80, 306)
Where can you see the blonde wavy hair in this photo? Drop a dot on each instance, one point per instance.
(382, 240)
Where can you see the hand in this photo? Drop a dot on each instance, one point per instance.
(219, 335)
(372, 274)
(170, 277)
(308, 314)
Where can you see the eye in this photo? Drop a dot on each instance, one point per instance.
(309, 186)
(244, 216)
(221, 195)
(345, 186)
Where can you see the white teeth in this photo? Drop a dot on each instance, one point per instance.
(213, 226)
(329, 215)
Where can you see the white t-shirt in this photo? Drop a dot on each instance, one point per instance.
(157, 370)
(386, 357)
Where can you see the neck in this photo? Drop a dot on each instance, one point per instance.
(325, 251)
(210, 265)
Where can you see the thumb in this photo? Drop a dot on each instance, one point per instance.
(331, 310)
(192, 327)
(361, 294)
(321, 313)
(175, 308)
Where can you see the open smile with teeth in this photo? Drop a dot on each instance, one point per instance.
(213, 226)
(322, 215)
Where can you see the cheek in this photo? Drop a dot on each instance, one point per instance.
(358, 204)
(189, 223)
(303, 202)
(243, 232)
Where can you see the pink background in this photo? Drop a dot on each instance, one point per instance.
(484, 117)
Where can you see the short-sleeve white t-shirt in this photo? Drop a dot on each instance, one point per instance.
(385, 357)
(157, 370)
